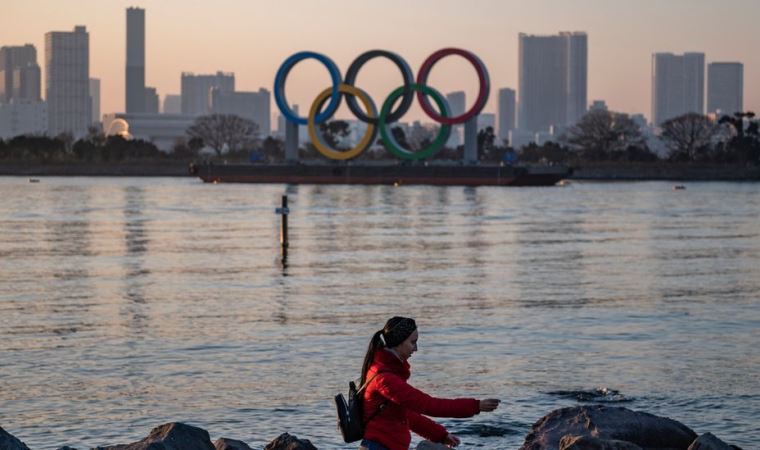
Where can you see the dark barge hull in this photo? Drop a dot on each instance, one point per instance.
(437, 175)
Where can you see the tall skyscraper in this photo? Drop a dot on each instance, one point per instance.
(67, 81)
(95, 99)
(19, 74)
(135, 75)
(506, 117)
(456, 101)
(552, 80)
(196, 90)
(254, 106)
(725, 87)
(678, 85)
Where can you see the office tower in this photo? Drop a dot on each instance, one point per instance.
(552, 80)
(135, 75)
(506, 116)
(577, 76)
(151, 100)
(172, 104)
(95, 99)
(725, 87)
(196, 90)
(456, 101)
(249, 105)
(19, 74)
(67, 81)
(678, 85)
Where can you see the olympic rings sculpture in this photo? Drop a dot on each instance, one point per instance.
(380, 122)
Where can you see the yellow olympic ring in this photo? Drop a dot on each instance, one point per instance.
(319, 142)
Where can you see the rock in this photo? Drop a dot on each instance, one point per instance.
(10, 442)
(230, 444)
(591, 443)
(608, 423)
(288, 442)
(170, 436)
(66, 447)
(427, 445)
(708, 441)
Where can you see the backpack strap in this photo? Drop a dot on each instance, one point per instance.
(382, 406)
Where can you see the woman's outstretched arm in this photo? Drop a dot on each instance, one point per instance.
(398, 391)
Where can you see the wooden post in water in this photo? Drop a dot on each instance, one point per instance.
(283, 211)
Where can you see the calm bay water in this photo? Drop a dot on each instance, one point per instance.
(126, 303)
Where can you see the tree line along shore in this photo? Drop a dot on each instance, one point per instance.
(603, 145)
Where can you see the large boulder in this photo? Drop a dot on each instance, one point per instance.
(608, 423)
(428, 445)
(287, 442)
(230, 444)
(708, 441)
(591, 443)
(10, 442)
(170, 436)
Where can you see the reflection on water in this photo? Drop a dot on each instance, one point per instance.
(126, 303)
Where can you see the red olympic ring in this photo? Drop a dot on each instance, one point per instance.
(480, 102)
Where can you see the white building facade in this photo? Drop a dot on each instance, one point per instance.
(23, 118)
(553, 80)
(678, 85)
(67, 81)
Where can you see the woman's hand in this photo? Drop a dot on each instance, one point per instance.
(451, 440)
(489, 404)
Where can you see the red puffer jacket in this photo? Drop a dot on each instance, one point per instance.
(405, 406)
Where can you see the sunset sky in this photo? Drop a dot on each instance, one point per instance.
(252, 37)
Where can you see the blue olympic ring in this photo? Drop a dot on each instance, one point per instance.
(279, 87)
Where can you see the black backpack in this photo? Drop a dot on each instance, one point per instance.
(350, 413)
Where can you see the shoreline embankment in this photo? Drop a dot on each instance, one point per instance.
(597, 171)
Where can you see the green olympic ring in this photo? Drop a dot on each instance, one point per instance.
(392, 145)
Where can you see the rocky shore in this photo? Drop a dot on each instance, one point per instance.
(594, 427)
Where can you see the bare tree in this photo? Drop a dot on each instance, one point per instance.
(224, 131)
(688, 136)
(334, 131)
(600, 134)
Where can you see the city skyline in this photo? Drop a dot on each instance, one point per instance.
(183, 37)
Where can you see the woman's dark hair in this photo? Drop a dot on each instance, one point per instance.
(395, 331)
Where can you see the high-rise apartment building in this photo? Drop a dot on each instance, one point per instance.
(456, 101)
(196, 90)
(553, 80)
(20, 75)
(678, 85)
(67, 81)
(135, 70)
(95, 99)
(725, 87)
(254, 106)
(506, 116)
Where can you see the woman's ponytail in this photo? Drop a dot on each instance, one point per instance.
(374, 344)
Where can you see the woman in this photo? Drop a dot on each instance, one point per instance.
(391, 406)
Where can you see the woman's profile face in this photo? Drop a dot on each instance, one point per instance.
(409, 346)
